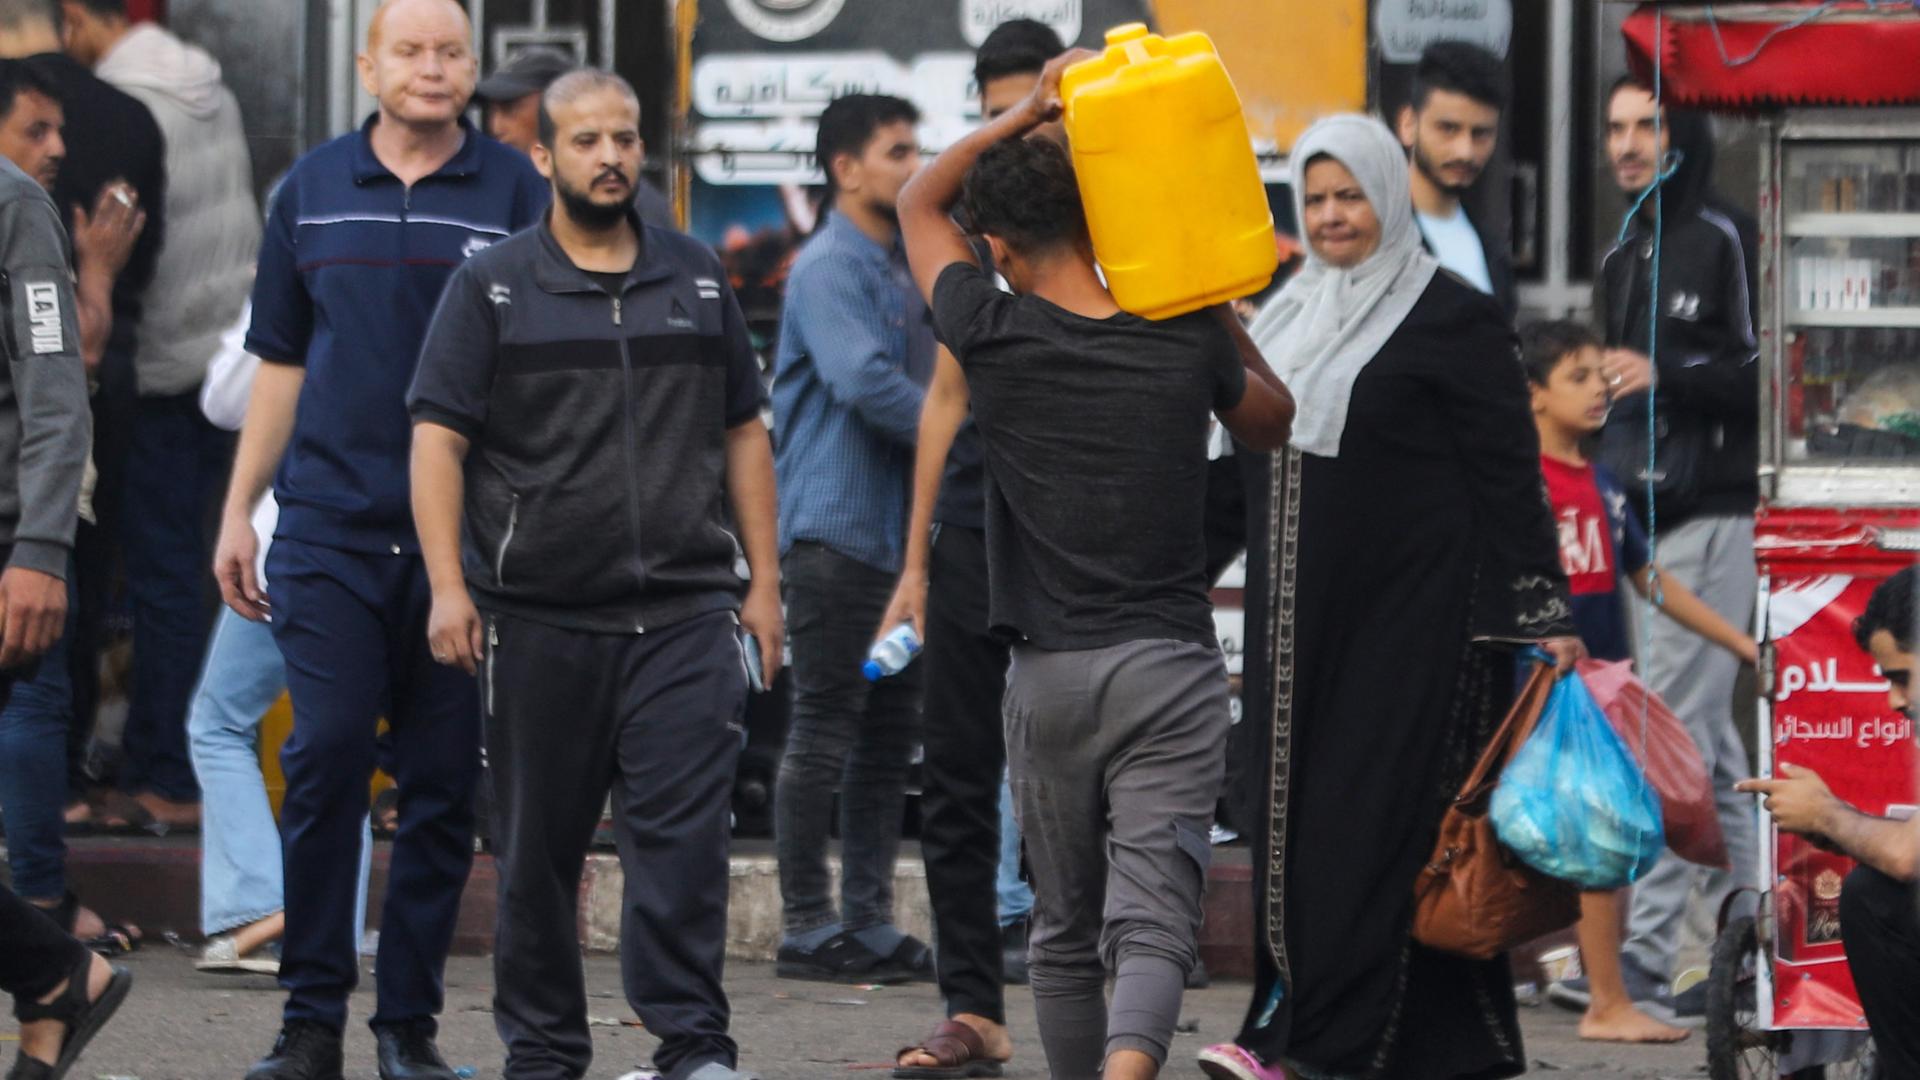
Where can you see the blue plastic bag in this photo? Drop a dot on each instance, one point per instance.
(1572, 803)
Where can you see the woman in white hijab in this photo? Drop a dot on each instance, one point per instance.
(1413, 548)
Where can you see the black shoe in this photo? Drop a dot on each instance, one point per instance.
(1691, 1003)
(1013, 952)
(843, 959)
(304, 1051)
(407, 1052)
(1198, 979)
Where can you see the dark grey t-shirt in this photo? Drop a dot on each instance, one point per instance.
(1095, 438)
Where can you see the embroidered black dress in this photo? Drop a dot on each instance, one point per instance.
(1403, 570)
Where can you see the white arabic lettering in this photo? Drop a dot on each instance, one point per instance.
(1864, 734)
(1819, 678)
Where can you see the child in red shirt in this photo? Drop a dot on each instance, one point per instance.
(1600, 542)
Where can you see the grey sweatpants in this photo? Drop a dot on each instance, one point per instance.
(1116, 757)
(1713, 557)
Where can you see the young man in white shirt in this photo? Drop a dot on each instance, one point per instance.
(1450, 127)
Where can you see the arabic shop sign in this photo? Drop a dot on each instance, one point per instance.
(1404, 28)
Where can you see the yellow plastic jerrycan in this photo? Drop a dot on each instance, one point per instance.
(1172, 191)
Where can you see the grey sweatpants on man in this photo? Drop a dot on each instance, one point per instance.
(1116, 757)
(1714, 557)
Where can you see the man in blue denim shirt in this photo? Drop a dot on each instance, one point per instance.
(856, 353)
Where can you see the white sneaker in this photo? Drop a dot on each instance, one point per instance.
(222, 956)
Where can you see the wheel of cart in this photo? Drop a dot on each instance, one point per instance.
(1739, 1047)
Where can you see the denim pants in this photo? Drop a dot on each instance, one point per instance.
(175, 473)
(846, 734)
(33, 770)
(1014, 895)
(240, 869)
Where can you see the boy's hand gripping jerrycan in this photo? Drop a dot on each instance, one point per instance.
(1174, 203)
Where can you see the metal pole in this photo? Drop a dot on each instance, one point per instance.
(606, 34)
(1559, 163)
(339, 67)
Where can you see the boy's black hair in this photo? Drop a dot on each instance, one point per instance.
(1024, 192)
(106, 9)
(20, 76)
(1015, 47)
(848, 124)
(1890, 608)
(1544, 344)
(1460, 68)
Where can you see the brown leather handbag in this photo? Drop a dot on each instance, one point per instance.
(1474, 898)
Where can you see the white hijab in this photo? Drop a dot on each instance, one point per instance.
(1328, 322)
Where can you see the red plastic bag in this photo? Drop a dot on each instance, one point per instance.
(1672, 762)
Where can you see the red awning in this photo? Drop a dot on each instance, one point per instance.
(1764, 55)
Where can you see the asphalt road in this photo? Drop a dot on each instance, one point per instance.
(183, 1025)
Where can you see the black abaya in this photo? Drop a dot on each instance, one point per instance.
(1406, 568)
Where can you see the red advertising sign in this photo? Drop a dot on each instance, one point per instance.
(1830, 715)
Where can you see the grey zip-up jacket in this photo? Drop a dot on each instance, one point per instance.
(595, 478)
(45, 426)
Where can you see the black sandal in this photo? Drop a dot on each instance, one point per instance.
(83, 1018)
(115, 939)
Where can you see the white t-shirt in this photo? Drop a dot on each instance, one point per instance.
(1457, 245)
(223, 399)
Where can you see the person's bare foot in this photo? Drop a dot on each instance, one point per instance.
(1623, 1023)
(41, 1039)
(79, 812)
(995, 1043)
(165, 811)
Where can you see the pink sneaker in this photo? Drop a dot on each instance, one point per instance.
(1228, 1061)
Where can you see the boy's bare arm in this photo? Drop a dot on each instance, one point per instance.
(1686, 608)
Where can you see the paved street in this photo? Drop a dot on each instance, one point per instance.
(182, 1025)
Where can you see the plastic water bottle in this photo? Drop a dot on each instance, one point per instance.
(891, 654)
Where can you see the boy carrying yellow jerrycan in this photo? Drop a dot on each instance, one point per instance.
(1173, 197)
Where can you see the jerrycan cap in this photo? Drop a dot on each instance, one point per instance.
(1133, 31)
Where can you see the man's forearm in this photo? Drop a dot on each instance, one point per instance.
(93, 297)
(1889, 846)
(264, 436)
(439, 495)
(939, 422)
(1250, 356)
(750, 489)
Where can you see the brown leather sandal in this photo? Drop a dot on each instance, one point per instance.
(959, 1050)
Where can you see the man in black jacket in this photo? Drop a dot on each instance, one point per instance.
(586, 411)
(1698, 373)
(1450, 127)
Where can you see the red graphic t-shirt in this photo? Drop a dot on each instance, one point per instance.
(1598, 534)
(1580, 515)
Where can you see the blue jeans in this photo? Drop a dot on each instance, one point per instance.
(175, 472)
(1015, 895)
(240, 868)
(33, 771)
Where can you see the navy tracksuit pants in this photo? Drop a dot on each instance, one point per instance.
(353, 630)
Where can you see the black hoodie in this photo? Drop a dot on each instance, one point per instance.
(1707, 403)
